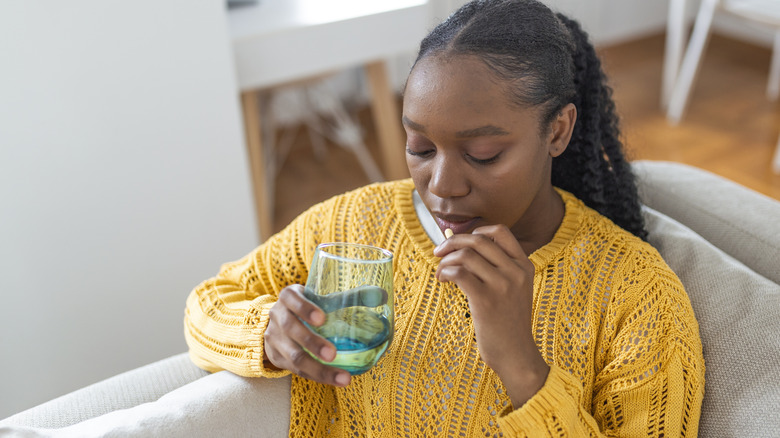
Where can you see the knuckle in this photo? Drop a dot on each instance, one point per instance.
(276, 312)
(271, 354)
(458, 271)
(299, 306)
(326, 375)
(286, 322)
(466, 254)
(296, 302)
(308, 337)
(284, 294)
(298, 357)
(272, 336)
(483, 238)
(288, 294)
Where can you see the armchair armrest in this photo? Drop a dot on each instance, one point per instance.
(141, 385)
(739, 221)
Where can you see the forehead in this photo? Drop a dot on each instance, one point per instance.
(459, 89)
(460, 76)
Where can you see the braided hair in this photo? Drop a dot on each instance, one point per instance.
(547, 61)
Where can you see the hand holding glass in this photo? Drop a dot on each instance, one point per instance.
(353, 285)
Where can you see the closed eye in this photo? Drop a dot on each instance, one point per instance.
(421, 154)
(485, 161)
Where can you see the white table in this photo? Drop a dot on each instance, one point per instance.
(276, 42)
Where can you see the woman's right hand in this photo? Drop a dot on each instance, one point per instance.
(286, 337)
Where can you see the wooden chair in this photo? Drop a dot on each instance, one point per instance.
(678, 78)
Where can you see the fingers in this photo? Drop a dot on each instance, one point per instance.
(494, 243)
(292, 297)
(465, 266)
(489, 258)
(287, 339)
(503, 238)
(290, 324)
(286, 354)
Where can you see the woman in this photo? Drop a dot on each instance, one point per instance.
(546, 314)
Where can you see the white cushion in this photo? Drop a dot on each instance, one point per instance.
(739, 319)
(740, 221)
(220, 404)
(140, 385)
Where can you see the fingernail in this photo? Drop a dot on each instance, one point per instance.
(315, 318)
(327, 353)
(342, 379)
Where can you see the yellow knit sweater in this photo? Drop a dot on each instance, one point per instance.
(610, 318)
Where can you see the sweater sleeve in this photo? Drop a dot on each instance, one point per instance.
(651, 384)
(226, 316)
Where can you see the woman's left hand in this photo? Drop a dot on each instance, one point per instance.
(497, 278)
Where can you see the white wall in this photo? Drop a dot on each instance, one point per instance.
(615, 21)
(123, 184)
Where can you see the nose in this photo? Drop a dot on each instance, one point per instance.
(448, 180)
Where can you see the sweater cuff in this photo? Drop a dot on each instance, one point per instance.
(257, 363)
(553, 401)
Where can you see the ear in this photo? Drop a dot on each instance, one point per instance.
(561, 129)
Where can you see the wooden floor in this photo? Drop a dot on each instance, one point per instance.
(730, 128)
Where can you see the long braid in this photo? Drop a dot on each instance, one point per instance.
(593, 167)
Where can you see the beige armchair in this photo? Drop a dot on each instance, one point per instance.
(722, 239)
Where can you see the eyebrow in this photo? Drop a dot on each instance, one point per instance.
(414, 125)
(482, 131)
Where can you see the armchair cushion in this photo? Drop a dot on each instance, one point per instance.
(220, 404)
(741, 222)
(737, 310)
(140, 385)
(725, 249)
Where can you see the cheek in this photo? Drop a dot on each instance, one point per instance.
(507, 195)
(419, 172)
(412, 165)
(502, 192)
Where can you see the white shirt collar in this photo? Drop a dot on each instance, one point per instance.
(426, 220)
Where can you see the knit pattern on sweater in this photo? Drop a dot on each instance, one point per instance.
(610, 318)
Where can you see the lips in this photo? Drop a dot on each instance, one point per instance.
(458, 224)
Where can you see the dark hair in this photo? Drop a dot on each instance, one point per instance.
(547, 60)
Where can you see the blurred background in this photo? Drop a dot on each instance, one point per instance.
(126, 177)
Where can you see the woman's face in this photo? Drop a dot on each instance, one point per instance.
(475, 158)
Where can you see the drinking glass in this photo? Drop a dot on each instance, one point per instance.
(353, 285)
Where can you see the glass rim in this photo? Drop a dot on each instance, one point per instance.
(322, 248)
